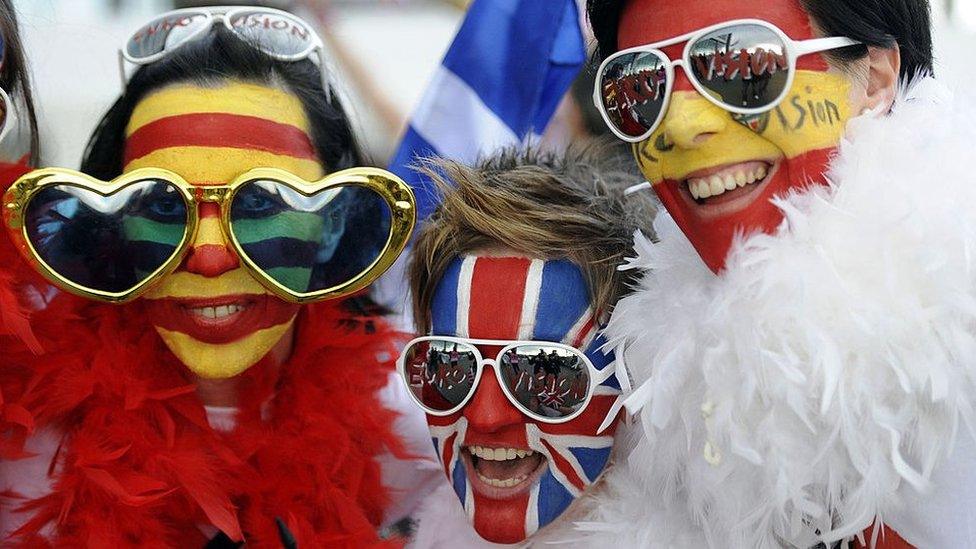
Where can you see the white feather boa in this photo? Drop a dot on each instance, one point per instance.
(829, 369)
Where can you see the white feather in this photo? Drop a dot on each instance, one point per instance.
(838, 354)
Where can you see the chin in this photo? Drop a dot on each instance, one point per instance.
(222, 360)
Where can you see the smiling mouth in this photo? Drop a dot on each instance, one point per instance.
(503, 473)
(729, 183)
(219, 314)
(220, 319)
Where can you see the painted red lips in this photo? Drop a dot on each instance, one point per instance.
(221, 319)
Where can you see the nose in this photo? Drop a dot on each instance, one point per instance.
(691, 120)
(210, 254)
(489, 411)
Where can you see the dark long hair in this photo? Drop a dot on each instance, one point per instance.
(218, 57)
(877, 23)
(15, 78)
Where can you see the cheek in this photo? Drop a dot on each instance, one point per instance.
(813, 115)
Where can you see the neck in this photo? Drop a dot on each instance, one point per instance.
(226, 391)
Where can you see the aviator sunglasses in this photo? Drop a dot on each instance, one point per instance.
(548, 382)
(302, 240)
(277, 33)
(746, 67)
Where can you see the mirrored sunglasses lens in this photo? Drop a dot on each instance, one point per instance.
(548, 381)
(633, 90)
(310, 243)
(164, 33)
(107, 243)
(742, 66)
(273, 33)
(440, 373)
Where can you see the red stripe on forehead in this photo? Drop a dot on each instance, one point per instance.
(219, 130)
(497, 292)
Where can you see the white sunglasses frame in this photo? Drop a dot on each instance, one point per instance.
(225, 14)
(9, 115)
(596, 377)
(794, 50)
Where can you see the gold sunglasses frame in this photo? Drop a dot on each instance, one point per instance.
(395, 192)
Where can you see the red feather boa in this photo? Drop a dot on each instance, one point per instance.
(138, 464)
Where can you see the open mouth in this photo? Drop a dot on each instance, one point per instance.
(502, 473)
(220, 319)
(219, 314)
(730, 183)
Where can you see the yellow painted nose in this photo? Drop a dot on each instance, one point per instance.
(691, 120)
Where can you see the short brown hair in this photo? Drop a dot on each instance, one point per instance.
(547, 205)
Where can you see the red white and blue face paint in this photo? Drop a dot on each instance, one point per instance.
(512, 474)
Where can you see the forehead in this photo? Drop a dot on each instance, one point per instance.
(512, 298)
(647, 21)
(210, 135)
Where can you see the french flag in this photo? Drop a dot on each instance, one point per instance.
(501, 80)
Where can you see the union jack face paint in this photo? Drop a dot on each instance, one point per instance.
(514, 475)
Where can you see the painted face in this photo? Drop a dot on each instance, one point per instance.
(211, 313)
(699, 143)
(517, 298)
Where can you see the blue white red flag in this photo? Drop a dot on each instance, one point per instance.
(501, 80)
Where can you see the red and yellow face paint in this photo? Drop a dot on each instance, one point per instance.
(743, 161)
(213, 315)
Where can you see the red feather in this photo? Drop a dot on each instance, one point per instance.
(140, 465)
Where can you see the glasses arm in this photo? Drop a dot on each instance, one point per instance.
(823, 44)
(122, 70)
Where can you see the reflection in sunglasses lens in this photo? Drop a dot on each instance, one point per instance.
(633, 89)
(744, 66)
(440, 373)
(107, 243)
(548, 381)
(273, 33)
(310, 243)
(164, 33)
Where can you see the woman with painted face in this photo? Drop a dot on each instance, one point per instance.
(516, 270)
(815, 354)
(212, 372)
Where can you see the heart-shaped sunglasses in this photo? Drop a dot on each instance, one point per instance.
(304, 241)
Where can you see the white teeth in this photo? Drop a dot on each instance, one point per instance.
(729, 183)
(704, 189)
(498, 454)
(501, 483)
(217, 312)
(716, 185)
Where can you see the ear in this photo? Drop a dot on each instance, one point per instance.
(884, 68)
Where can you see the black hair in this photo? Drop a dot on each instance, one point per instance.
(14, 77)
(877, 23)
(220, 56)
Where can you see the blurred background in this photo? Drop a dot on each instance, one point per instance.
(386, 51)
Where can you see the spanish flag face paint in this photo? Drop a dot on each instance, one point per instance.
(214, 316)
(717, 172)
